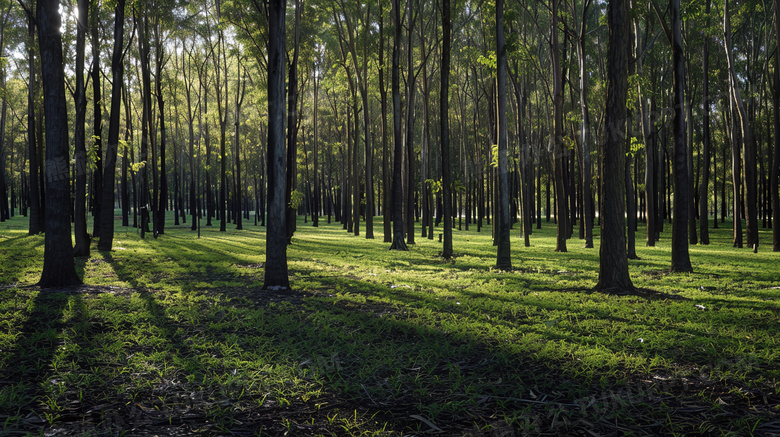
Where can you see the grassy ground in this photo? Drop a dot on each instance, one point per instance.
(172, 336)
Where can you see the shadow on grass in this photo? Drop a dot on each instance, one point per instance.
(19, 254)
(25, 375)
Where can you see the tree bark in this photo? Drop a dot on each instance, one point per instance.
(504, 252)
(775, 177)
(276, 275)
(59, 269)
(558, 152)
(398, 197)
(705, 169)
(36, 221)
(97, 105)
(681, 261)
(117, 70)
(80, 208)
(613, 262)
(444, 121)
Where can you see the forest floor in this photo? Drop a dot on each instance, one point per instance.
(172, 336)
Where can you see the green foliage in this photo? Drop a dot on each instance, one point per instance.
(296, 199)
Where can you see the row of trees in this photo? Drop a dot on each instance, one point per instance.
(527, 96)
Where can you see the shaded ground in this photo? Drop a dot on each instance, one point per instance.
(689, 401)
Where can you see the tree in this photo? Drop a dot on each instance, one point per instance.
(446, 166)
(561, 213)
(35, 197)
(79, 132)
(613, 260)
(276, 276)
(398, 196)
(109, 169)
(775, 178)
(681, 261)
(503, 256)
(705, 169)
(59, 269)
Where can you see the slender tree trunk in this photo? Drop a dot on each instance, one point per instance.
(36, 222)
(705, 169)
(444, 122)
(504, 252)
(58, 262)
(411, 80)
(387, 203)
(561, 213)
(97, 91)
(681, 261)
(143, 39)
(81, 248)
(162, 195)
(585, 165)
(398, 197)
(775, 176)
(240, 90)
(292, 124)
(117, 70)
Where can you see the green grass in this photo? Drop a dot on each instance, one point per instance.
(173, 335)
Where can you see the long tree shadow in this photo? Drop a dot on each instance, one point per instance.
(26, 369)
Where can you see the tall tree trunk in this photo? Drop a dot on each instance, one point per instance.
(81, 248)
(143, 40)
(748, 140)
(125, 163)
(705, 169)
(36, 222)
(162, 199)
(398, 196)
(117, 70)
(58, 263)
(292, 124)
(240, 90)
(585, 165)
(504, 251)
(561, 213)
(681, 261)
(276, 276)
(775, 177)
(387, 200)
(97, 91)
(613, 262)
(411, 79)
(444, 123)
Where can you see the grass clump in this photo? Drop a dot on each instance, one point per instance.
(174, 335)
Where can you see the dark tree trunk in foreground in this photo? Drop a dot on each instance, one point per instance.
(504, 252)
(681, 261)
(58, 262)
(398, 196)
(109, 171)
(613, 262)
(79, 132)
(276, 235)
(446, 165)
